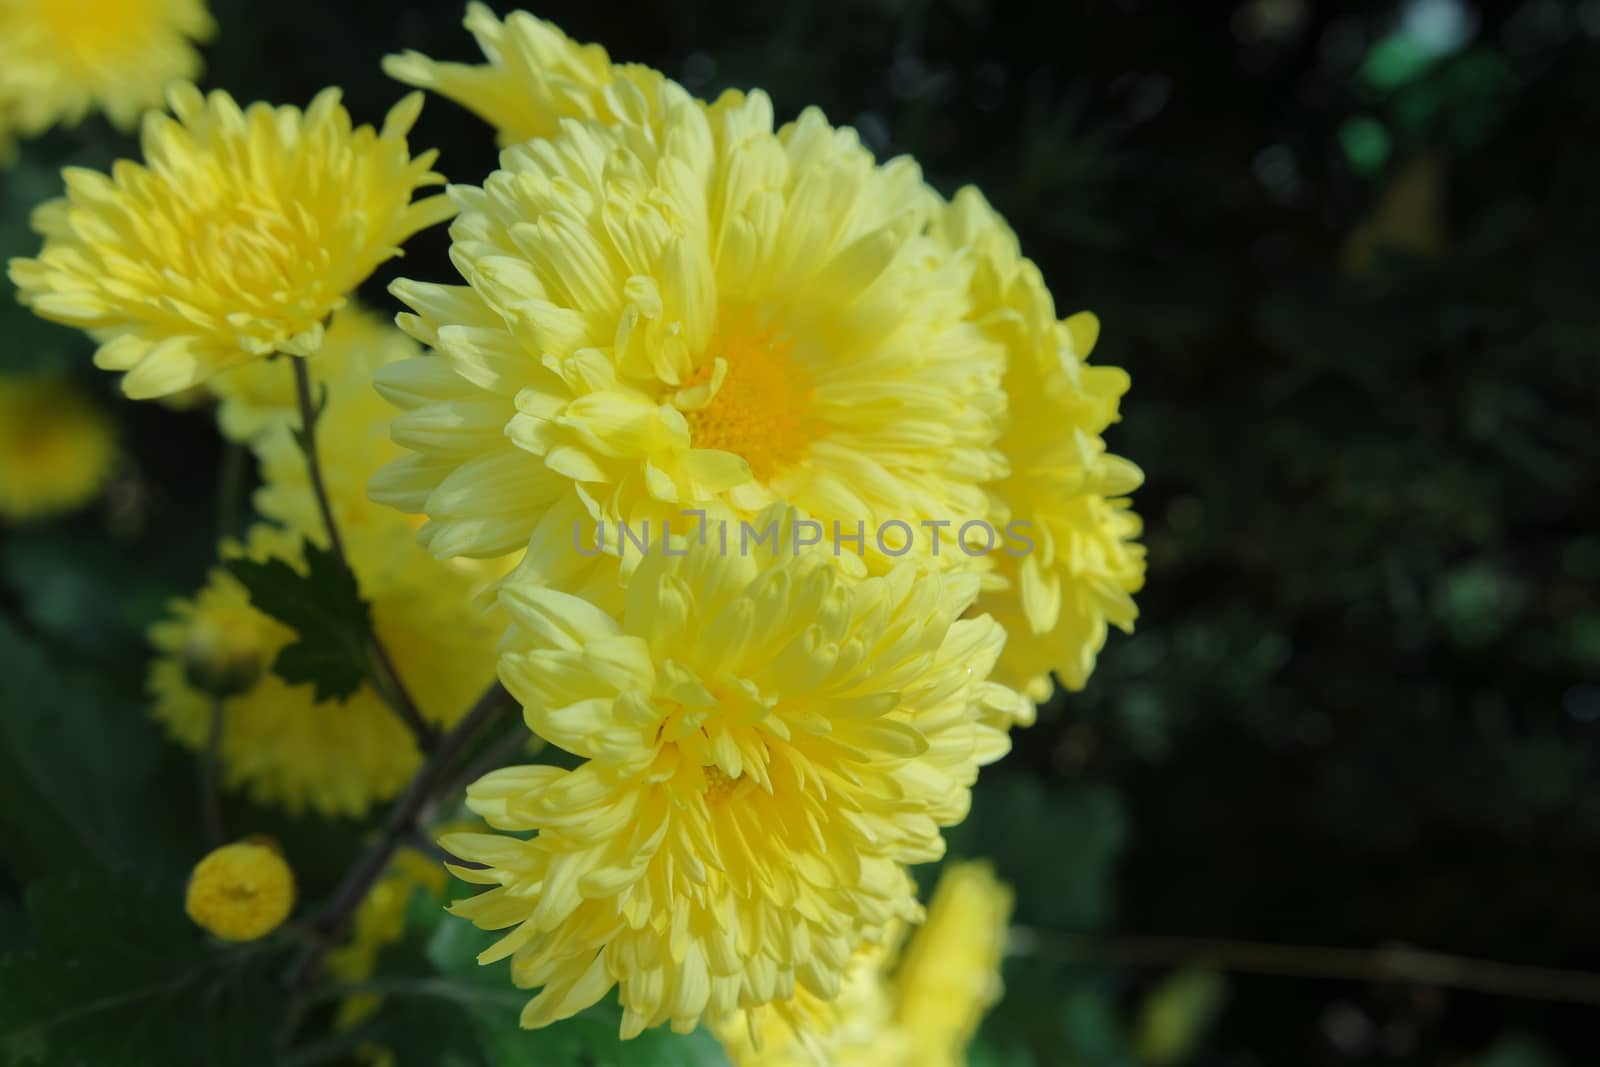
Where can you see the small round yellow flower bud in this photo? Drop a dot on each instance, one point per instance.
(241, 892)
(222, 661)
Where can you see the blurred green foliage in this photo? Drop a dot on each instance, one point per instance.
(1363, 701)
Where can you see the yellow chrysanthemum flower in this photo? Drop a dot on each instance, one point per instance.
(56, 447)
(277, 740)
(765, 744)
(1056, 478)
(61, 59)
(241, 892)
(238, 236)
(535, 77)
(921, 1013)
(685, 307)
(1084, 565)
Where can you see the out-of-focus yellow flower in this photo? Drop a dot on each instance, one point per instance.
(766, 744)
(235, 239)
(1068, 493)
(950, 974)
(535, 76)
(241, 892)
(277, 740)
(56, 447)
(61, 59)
(854, 1029)
(921, 1013)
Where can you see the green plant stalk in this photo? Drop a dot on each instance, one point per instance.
(386, 678)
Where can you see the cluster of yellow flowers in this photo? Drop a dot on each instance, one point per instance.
(675, 316)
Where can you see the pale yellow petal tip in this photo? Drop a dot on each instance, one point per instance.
(185, 100)
(241, 892)
(411, 68)
(1084, 328)
(403, 116)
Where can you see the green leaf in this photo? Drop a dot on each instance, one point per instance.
(325, 609)
(114, 974)
(85, 783)
(1518, 1050)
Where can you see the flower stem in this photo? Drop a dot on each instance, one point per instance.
(388, 681)
(402, 821)
(211, 777)
(1398, 964)
(308, 423)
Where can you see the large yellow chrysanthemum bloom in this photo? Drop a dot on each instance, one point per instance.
(685, 306)
(56, 447)
(278, 740)
(1056, 599)
(60, 59)
(765, 744)
(235, 239)
(1084, 565)
(535, 76)
(921, 1013)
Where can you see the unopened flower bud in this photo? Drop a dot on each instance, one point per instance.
(242, 891)
(221, 661)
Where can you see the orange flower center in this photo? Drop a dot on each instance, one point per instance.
(718, 785)
(761, 406)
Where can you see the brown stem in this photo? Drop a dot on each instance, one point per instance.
(211, 777)
(389, 683)
(1392, 963)
(400, 824)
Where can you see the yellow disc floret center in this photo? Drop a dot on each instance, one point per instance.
(719, 786)
(760, 404)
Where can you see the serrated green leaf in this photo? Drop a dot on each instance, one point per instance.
(324, 607)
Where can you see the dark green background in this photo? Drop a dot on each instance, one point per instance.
(1363, 703)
